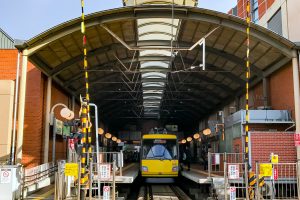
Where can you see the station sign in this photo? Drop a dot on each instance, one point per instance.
(106, 192)
(233, 172)
(232, 191)
(105, 172)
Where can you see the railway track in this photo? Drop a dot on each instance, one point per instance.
(162, 192)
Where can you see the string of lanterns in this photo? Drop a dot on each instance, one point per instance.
(109, 136)
(196, 136)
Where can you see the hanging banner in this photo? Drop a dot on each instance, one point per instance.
(233, 172)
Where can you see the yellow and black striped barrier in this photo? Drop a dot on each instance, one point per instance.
(85, 108)
(252, 181)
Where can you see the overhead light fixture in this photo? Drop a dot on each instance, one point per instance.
(206, 131)
(196, 136)
(108, 135)
(100, 131)
(183, 141)
(114, 139)
(189, 139)
(119, 141)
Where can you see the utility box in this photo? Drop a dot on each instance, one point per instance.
(10, 182)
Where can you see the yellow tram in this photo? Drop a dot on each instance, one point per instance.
(159, 156)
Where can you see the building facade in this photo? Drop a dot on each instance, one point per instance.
(280, 16)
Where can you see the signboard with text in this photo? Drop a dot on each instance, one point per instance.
(5, 176)
(232, 191)
(106, 192)
(297, 139)
(105, 172)
(233, 171)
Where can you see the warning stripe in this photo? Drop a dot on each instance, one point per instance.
(85, 108)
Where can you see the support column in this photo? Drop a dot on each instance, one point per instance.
(47, 120)
(266, 91)
(21, 110)
(296, 98)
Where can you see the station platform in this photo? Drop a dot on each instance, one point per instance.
(198, 175)
(129, 174)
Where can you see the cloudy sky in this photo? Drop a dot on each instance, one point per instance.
(23, 19)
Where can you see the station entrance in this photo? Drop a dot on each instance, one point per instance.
(157, 73)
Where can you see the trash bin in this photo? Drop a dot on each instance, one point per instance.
(10, 182)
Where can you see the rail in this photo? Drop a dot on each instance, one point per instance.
(37, 174)
(150, 192)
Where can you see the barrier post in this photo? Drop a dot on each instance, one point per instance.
(225, 180)
(257, 195)
(114, 181)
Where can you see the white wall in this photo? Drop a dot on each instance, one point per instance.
(6, 115)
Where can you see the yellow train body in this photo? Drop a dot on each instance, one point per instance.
(160, 167)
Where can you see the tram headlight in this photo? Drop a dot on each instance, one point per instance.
(175, 169)
(144, 169)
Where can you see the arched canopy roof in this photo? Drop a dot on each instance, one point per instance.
(131, 67)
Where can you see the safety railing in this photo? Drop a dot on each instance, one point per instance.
(280, 181)
(102, 170)
(216, 162)
(36, 174)
(236, 181)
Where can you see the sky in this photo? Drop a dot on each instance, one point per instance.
(24, 19)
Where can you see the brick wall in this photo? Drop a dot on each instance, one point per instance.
(264, 143)
(8, 64)
(34, 109)
(263, 5)
(33, 120)
(282, 80)
(281, 143)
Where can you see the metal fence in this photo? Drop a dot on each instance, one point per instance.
(32, 176)
(102, 171)
(281, 181)
(216, 162)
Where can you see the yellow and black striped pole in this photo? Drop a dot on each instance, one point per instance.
(247, 162)
(85, 108)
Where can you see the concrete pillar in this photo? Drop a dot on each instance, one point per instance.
(47, 120)
(21, 109)
(296, 98)
(266, 91)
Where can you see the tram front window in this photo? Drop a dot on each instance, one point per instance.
(159, 149)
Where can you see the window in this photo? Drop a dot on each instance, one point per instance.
(275, 23)
(159, 149)
(255, 16)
